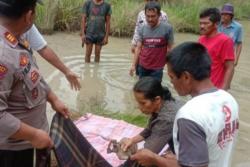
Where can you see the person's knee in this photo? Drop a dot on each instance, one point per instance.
(88, 49)
(98, 49)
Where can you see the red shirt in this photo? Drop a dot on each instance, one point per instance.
(221, 49)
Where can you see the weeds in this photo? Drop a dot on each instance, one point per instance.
(65, 15)
(97, 106)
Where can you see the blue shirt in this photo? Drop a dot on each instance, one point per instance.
(234, 30)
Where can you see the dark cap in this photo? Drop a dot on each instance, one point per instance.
(227, 9)
(15, 8)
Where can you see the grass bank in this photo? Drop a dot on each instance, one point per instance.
(184, 14)
(97, 106)
(65, 15)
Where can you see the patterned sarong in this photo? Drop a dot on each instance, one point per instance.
(71, 147)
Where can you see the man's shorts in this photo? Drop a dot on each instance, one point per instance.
(94, 39)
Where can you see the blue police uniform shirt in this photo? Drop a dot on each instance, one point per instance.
(234, 30)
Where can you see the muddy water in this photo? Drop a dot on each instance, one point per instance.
(107, 85)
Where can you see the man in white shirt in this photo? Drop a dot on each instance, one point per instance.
(206, 127)
(38, 43)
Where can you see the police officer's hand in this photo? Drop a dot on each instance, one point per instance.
(58, 106)
(40, 139)
(73, 80)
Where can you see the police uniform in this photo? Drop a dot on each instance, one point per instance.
(23, 91)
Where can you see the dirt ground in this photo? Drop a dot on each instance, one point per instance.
(108, 84)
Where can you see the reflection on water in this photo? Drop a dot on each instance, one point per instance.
(108, 84)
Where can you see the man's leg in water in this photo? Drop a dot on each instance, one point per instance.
(88, 53)
(98, 49)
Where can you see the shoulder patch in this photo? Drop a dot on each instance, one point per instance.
(10, 38)
(3, 70)
(26, 44)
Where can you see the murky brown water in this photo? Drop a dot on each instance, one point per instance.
(108, 85)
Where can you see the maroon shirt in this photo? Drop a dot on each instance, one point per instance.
(154, 45)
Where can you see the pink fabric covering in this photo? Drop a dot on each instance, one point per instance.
(99, 131)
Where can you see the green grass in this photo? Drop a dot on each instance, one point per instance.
(136, 119)
(97, 106)
(65, 15)
(184, 14)
(123, 18)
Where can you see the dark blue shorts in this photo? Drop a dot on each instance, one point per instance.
(150, 72)
(94, 39)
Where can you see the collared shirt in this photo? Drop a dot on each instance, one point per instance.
(234, 30)
(23, 91)
(160, 125)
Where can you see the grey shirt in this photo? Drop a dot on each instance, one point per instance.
(160, 125)
(96, 17)
(23, 92)
(193, 146)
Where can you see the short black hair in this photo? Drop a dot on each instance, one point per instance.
(153, 5)
(151, 88)
(14, 9)
(212, 13)
(191, 57)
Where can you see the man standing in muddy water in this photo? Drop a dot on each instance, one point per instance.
(232, 28)
(220, 48)
(95, 27)
(155, 40)
(23, 91)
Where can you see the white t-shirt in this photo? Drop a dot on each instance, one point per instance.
(205, 130)
(141, 20)
(36, 40)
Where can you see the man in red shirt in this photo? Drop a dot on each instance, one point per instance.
(220, 48)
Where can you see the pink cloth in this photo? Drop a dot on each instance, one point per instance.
(220, 49)
(99, 131)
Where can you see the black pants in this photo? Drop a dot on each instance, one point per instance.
(24, 158)
(16, 158)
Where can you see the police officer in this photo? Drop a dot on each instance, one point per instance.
(23, 91)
